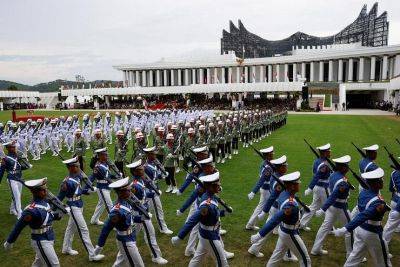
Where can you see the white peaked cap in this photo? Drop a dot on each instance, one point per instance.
(290, 177)
(199, 149)
(70, 161)
(134, 164)
(324, 147)
(100, 150)
(120, 183)
(267, 150)
(375, 174)
(190, 130)
(36, 183)
(345, 159)
(279, 161)
(371, 148)
(210, 178)
(149, 149)
(170, 136)
(207, 160)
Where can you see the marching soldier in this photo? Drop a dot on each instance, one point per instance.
(10, 163)
(72, 190)
(221, 131)
(318, 185)
(335, 207)
(138, 145)
(39, 216)
(189, 143)
(103, 177)
(80, 148)
(367, 225)
(96, 143)
(169, 151)
(207, 216)
(235, 136)
(121, 149)
(287, 218)
(140, 190)
(121, 218)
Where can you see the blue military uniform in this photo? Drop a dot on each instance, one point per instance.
(393, 221)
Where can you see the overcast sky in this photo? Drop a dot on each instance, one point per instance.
(45, 40)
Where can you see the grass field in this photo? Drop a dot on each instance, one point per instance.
(238, 177)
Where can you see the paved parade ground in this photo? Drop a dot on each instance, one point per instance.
(238, 177)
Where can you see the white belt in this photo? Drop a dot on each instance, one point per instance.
(290, 226)
(102, 181)
(397, 194)
(376, 223)
(209, 228)
(41, 230)
(341, 200)
(323, 181)
(124, 233)
(74, 198)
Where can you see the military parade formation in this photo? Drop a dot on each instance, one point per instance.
(153, 146)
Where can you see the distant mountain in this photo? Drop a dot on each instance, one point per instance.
(53, 86)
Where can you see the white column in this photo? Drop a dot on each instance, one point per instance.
(223, 75)
(238, 75)
(396, 65)
(179, 77)
(321, 71)
(144, 80)
(303, 70)
(172, 77)
(208, 73)
(230, 78)
(384, 68)
(158, 78)
(132, 78)
(262, 74)
(194, 80)
(330, 71)
(350, 72)
(361, 70)
(151, 78)
(270, 73)
(246, 74)
(373, 65)
(186, 77)
(165, 78)
(286, 73)
(137, 78)
(312, 71)
(342, 94)
(294, 72)
(124, 77)
(340, 71)
(216, 75)
(278, 73)
(201, 76)
(128, 78)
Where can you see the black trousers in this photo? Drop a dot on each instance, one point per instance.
(120, 166)
(235, 143)
(170, 179)
(81, 163)
(213, 152)
(221, 151)
(228, 147)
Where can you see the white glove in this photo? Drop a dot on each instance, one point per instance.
(261, 215)
(68, 210)
(160, 193)
(307, 192)
(30, 166)
(8, 246)
(178, 213)
(255, 238)
(150, 215)
(340, 232)
(169, 155)
(92, 191)
(97, 250)
(175, 240)
(251, 195)
(320, 213)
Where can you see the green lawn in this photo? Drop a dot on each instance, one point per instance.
(238, 177)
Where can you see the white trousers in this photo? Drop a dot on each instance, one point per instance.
(271, 214)
(103, 202)
(392, 223)
(332, 216)
(214, 248)
(319, 198)
(156, 206)
(16, 192)
(149, 237)
(192, 240)
(77, 223)
(128, 255)
(373, 243)
(264, 195)
(45, 254)
(295, 244)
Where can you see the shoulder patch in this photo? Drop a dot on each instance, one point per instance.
(204, 211)
(380, 208)
(288, 211)
(28, 218)
(64, 186)
(342, 189)
(278, 188)
(115, 219)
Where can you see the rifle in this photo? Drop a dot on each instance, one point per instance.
(147, 180)
(396, 164)
(135, 202)
(52, 199)
(362, 153)
(333, 166)
(160, 166)
(85, 178)
(200, 183)
(398, 141)
(306, 208)
(37, 128)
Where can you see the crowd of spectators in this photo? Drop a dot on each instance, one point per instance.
(11, 106)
